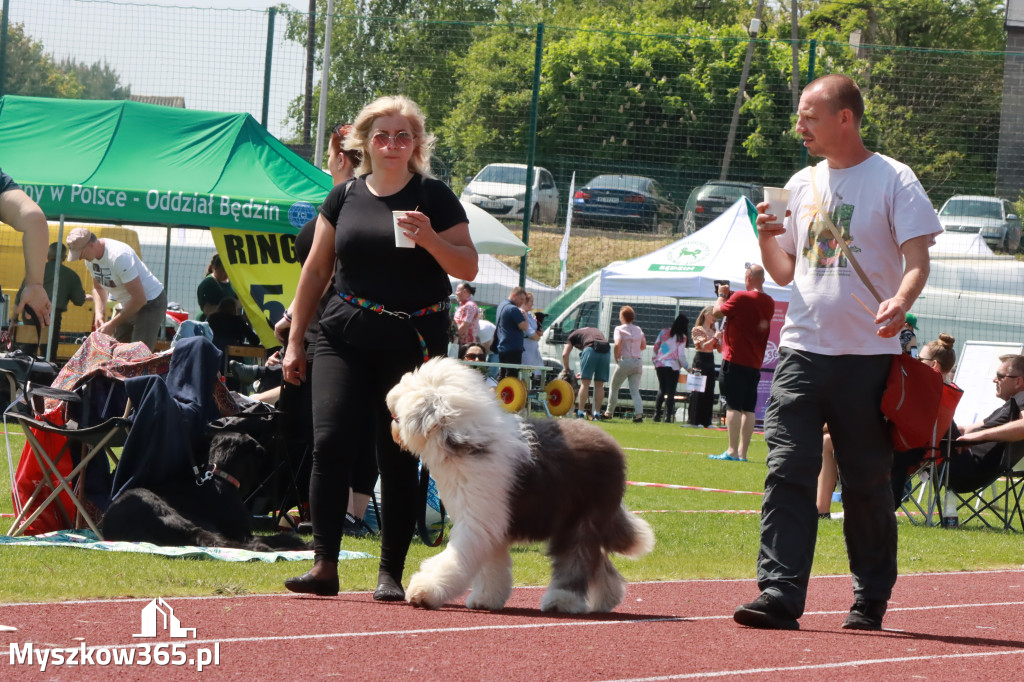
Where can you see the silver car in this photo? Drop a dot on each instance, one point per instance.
(500, 189)
(994, 218)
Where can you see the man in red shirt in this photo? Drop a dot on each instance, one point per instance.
(748, 320)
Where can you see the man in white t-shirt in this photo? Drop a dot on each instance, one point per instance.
(834, 355)
(118, 271)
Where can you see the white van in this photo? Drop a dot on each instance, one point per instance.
(582, 306)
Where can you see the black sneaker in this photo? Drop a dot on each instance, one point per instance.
(766, 613)
(865, 614)
(354, 527)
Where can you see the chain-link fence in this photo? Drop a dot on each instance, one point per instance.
(639, 122)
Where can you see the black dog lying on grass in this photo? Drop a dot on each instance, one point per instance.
(211, 515)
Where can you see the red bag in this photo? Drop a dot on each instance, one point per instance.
(29, 474)
(913, 394)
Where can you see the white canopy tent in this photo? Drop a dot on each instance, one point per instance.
(489, 235)
(689, 267)
(959, 244)
(495, 280)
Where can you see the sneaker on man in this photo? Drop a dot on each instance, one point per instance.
(767, 613)
(865, 614)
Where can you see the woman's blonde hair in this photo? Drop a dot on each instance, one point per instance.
(394, 105)
(704, 314)
(942, 352)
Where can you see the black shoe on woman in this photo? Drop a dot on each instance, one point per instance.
(388, 589)
(307, 583)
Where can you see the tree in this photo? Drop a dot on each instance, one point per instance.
(98, 80)
(945, 24)
(383, 47)
(30, 71)
(646, 87)
(651, 98)
(936, 111)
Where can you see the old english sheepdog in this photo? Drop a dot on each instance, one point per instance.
(506, 480)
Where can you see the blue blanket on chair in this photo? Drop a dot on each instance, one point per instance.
(169, 419)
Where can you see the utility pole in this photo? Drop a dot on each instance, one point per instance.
(307, 103)
(325, 74)
(795, 85)
(755, 27)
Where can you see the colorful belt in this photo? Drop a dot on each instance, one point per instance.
(402, 315)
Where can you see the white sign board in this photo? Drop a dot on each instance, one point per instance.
(696, 383)
(975, 371)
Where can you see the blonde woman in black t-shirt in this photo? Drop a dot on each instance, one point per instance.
(390, 313)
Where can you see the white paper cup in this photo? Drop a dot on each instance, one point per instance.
(778, 200)
(401, 240)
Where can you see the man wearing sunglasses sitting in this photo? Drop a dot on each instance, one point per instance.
(975, 467)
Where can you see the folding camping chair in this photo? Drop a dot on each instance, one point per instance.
(921, 502)
(998, 504)
(82, 443)
(928, 481)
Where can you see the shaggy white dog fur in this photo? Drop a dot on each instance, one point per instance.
(505, 480)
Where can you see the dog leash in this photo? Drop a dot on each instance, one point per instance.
(381, 310)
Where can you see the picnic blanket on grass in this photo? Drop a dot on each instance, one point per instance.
(86, 539)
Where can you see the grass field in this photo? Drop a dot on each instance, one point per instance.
(703, 544)
(589, 250)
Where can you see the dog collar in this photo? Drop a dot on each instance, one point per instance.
(217, 471)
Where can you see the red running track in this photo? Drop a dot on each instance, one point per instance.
(953, 626)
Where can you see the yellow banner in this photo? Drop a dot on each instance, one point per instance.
(264, 273)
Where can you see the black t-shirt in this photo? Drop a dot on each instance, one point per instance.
(586, 337)
(7, 182)
(303, 245)
(304, 241)
(370, 266)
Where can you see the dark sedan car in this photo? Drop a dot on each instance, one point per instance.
(625, 202)
(710, 200)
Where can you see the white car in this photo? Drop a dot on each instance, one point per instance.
(500, 189)
(994, 218)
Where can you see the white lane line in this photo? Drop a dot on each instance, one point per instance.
(688, 581)
(820, 666)
(526, 626)
(402, 633)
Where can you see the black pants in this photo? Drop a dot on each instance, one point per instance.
(703, 404)
(350, 417)
(511, 357)
(296, 406)
(668, 380)
(845, 392)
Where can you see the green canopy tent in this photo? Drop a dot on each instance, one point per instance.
(145, 164)
(128, 162)
(142, 164)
